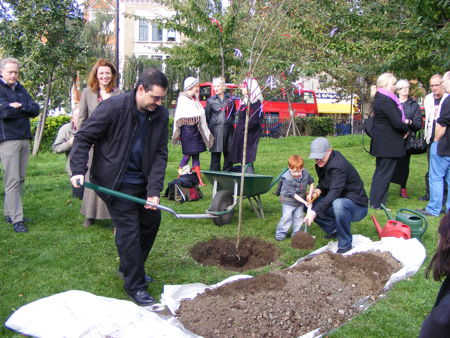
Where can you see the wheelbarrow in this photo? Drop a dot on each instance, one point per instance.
(226, 189)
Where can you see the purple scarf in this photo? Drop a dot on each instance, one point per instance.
(393, 98)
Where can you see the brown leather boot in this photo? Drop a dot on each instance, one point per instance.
(403, 193)
(197, 171)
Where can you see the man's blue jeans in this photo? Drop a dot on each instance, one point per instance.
(339, 218)
(439, 170)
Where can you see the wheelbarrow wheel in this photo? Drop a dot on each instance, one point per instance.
(220, 202)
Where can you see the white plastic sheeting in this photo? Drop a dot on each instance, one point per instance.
(82, 314)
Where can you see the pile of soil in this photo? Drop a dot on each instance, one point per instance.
(251, 254)
(303, 241)
(322, 292)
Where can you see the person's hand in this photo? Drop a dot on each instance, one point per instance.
(154, 200)
(77, 180)
(16, 105)
(70, 140)
(310, 217)
(314, 195)
(406, 135)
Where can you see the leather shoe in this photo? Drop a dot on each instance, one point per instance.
(9, 220)
(142, 298)
(148, 279)
(425, 212)
(20, 227)
(344, 250)
(331, 236)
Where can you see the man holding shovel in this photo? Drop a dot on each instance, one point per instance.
(339, 198)
(129, 133)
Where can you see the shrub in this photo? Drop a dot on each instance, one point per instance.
(315, 126)
(321, 126)
(52, 125)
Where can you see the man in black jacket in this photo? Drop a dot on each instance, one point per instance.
(16, 108)
(340, 197)
(129, 133)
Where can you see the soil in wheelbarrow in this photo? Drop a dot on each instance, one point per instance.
(322, 292)
(251, 254)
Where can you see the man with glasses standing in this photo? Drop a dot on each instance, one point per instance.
(440, 155)
(432, 104)
(340, 197)
(129, 133)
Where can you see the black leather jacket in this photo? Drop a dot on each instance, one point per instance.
(110, 129)
(220, 117)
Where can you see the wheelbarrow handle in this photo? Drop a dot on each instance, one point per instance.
(142, 201)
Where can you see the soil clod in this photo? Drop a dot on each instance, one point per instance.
(303, 241)
(251, 254)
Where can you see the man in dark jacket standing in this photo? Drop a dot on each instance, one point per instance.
(440, 157)
(129, 133)
(340, 197)
(16, 108)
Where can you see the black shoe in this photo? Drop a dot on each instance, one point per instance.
(20, 227)
(148, 279)
(344, 250)
(331, 236)
(425, 212)
(424, 198)
(142, 298)
(9, 220)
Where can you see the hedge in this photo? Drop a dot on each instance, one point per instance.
(52, 125)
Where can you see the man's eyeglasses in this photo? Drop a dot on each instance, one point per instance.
(158, 98)
(436, 85)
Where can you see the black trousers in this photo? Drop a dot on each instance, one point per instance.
(215, 162)
(136, 230)
(384, 169)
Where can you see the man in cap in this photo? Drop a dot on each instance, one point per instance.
(339, 198)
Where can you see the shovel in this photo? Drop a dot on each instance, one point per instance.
(143, 201)
(308, 210)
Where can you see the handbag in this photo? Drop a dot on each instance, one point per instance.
(415, 144)
(369, 124)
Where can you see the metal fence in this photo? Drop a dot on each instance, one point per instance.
(275, 127)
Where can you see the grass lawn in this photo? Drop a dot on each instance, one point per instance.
(59, 254)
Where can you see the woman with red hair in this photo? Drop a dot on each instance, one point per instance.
(101, 85)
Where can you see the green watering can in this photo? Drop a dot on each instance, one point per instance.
(415, 220)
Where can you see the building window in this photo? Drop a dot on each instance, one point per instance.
(143, 30)
(157, 33)
(171, 36)
(156, 57)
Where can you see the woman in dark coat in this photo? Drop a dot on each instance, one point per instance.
(387, 143)
(253, 96)
(220, 112)
(413, 117)
(437, 323)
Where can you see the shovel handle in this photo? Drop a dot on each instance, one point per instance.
(142, 201)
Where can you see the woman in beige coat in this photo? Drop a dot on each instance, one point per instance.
(101, 85)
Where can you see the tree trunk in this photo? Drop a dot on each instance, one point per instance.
(244, 160)
(291, 115)
(43, 116)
